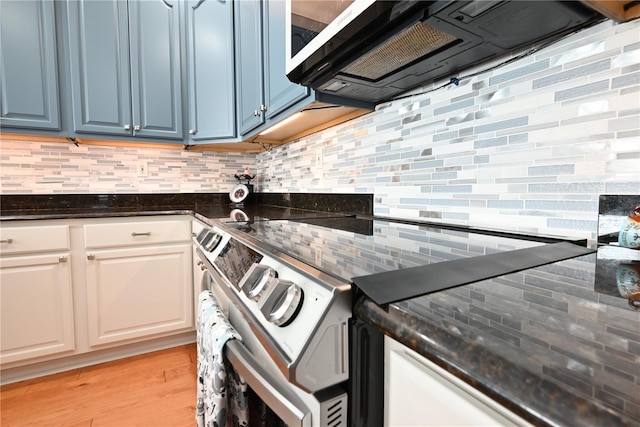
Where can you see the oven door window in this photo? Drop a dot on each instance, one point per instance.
(260, 414)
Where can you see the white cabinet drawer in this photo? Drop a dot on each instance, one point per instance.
(136, 233)
(18, 240)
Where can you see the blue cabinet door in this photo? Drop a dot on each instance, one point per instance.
(250, 94)
(125, 67)
(280, 92)
(28, 68)
(210, 63)
(156, 77)
(99, 65)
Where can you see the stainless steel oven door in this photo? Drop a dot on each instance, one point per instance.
(289, 403)
(282, 401)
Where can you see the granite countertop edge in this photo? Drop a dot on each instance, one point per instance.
(533, 398)
(94, 214)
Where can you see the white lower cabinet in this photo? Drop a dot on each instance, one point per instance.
(82, 291)
(36, 302)
(137, 292)
(420, 393)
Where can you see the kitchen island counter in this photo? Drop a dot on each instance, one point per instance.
(553, 344)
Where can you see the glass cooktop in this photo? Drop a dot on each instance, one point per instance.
(347, 247)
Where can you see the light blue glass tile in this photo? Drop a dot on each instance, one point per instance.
(559, 188)
(627, 80)
(505, 204)
(452, 188)
(490, 142)
(453, 107)
(552, 170)
(519, 72)
(622, 187)
(481, 159)
(562, 205)
(410, 154)
(423, 164)
(389, 125)
(504, 124)
(450, 202)
(582, 90)
(444, 175)
(572, 224)
(519, 138)
(376, 169)
(388, 158)
(445, 135)
(573, 73)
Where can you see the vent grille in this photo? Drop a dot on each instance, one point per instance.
(415, 42)
(334, 411)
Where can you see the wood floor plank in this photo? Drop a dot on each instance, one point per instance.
(155, 389)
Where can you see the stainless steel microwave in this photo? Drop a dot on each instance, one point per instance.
(374, 50)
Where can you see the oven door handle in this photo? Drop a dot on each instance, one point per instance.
(281, 401)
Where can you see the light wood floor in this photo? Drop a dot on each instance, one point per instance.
(154, 389)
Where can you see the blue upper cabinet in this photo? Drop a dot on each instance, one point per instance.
(249, 64)
(125, 67)
(99, 66)
(156, 77)
(280, 93)
(28, 68)
(210, 67)
(263, 89)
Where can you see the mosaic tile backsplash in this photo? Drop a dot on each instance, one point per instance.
(526, 147)
(59, 168)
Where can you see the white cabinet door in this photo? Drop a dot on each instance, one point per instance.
(37, 306)
(139, 292)
(420, 393)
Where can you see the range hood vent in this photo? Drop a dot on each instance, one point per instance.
(390, 47)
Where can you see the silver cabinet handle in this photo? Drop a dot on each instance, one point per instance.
(263, 107)
(255, 113)
(91, 256)
(192, 131)
(134, 234)
(136, 128)
(6, 241)
(62, 259)
(127, 127)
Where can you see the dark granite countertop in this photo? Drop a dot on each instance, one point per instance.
(557, 344)
(205, 205)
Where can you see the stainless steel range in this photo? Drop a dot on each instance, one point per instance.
(293, 321)
(287, 284)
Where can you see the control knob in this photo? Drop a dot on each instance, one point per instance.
(283, 304)
(257, 280)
